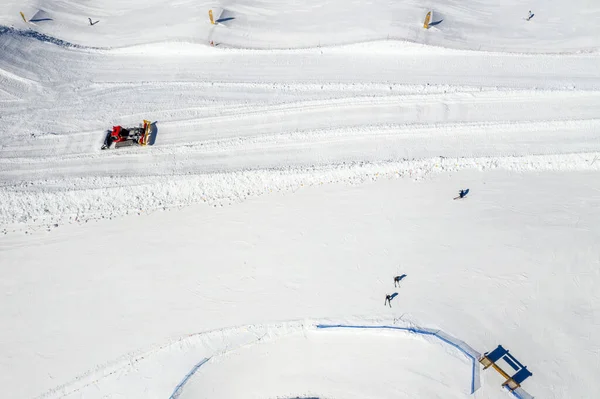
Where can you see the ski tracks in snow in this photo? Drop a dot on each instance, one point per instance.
(237, 123)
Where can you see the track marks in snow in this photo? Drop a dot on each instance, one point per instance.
(239, 117)
(352, 113)
(240, 150)
(45, 202)
(12, 87)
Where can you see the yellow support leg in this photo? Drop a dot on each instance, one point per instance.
(147, 129)
(427, 20)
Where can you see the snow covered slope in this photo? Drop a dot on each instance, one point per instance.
(515, 263)
(329, 139)
(235, 111)
(238, 111)
(557, 26)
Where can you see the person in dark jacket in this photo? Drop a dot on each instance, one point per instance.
(388, 300)
(397, 280)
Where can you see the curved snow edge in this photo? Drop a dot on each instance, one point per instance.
(181, 355)
(464, 348)
(179, 386)
(469, 352)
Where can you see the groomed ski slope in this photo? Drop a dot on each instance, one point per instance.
(329, 139)
(234, 111)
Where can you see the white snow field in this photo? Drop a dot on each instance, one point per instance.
(304, 153)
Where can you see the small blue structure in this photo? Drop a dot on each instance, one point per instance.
(496, 354)
(521, 373)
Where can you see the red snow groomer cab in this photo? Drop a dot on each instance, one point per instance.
(123, 137)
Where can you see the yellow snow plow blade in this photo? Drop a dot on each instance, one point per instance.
(427, 20)
(147, 131)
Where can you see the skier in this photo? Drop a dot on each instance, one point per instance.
(397, 279)
(529, 16)
(388, 300)
(462, 194)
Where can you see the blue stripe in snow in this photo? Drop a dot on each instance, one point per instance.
(177, 390)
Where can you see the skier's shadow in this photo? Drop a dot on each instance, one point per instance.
(225, 16)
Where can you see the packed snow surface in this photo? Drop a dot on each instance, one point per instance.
(303, 154)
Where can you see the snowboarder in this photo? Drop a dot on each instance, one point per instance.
(529, 16)
(397, 279)
(462, 194)
(388, 300)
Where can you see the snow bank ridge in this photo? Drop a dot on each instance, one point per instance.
(46, 203)
(13, 32)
